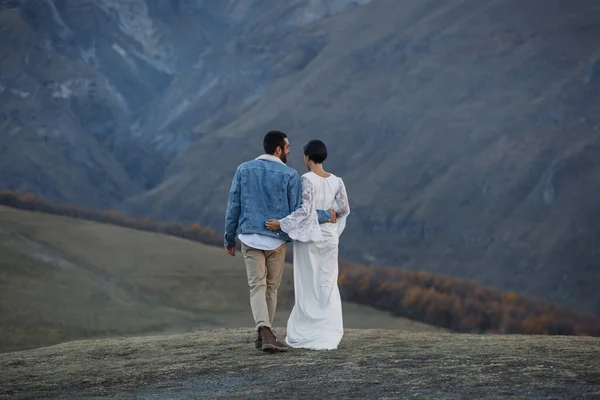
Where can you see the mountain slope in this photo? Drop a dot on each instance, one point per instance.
(97, 96)
(466, 132)
(63, 119)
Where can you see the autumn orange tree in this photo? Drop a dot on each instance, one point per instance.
(459, 304)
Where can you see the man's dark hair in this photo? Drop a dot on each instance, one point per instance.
(316, 151)
(272, 140)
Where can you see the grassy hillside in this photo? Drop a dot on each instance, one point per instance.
(373, 364)
(436, 299)
(63, 279)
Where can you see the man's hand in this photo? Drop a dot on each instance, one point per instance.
(230, 250)
(333, 215)
(273, 225)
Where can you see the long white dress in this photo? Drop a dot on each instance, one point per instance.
(316, 320)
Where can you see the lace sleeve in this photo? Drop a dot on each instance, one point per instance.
(341, 198)
(341, 207)
(303, 224)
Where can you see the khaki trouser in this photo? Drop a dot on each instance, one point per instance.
(265, 270)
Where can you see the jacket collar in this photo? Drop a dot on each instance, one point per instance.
(269, 157)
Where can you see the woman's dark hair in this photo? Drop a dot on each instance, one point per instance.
(272, 140)
(316, 151)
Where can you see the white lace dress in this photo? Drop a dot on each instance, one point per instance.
(316, 319)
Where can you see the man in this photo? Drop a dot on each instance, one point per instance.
(262, 189)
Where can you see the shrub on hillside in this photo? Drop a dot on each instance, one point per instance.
(458, 304)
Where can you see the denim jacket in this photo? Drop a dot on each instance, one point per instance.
(263, 189)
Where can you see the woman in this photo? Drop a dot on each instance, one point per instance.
(316, 319)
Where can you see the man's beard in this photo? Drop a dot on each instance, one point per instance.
(283, 158)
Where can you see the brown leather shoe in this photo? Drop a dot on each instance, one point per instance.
(270, 344)
(258, 342)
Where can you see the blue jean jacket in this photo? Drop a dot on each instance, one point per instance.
(263, 189)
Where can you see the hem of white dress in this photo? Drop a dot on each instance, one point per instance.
(312, 347)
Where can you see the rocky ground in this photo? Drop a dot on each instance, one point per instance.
(379, 364)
